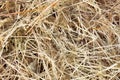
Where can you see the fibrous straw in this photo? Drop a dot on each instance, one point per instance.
(59, 39)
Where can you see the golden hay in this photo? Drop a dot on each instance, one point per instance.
(59, 39)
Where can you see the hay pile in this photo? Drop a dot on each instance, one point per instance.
(59, 39)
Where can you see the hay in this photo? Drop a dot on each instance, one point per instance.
(59, 39)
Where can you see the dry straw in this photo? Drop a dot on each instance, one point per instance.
(59, 39)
